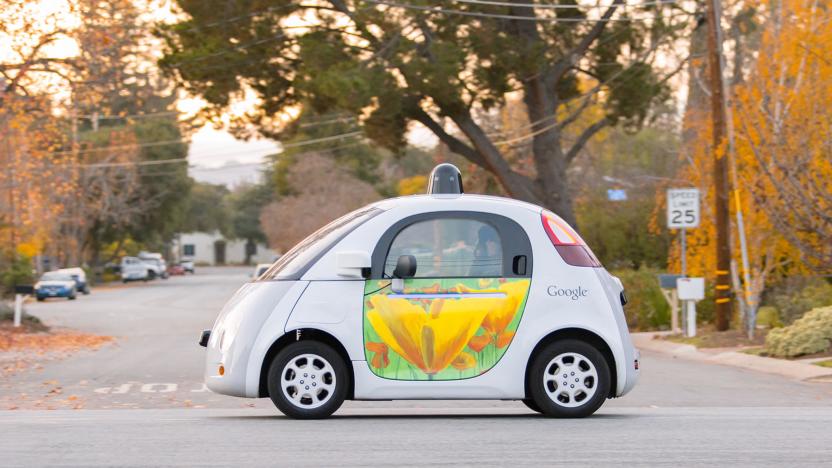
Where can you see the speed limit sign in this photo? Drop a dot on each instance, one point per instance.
(682, 208)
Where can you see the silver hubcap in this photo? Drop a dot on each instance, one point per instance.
(570, 380)
(308, 381)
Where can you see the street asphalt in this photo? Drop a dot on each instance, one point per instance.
(141, 402)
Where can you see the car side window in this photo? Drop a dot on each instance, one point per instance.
(449, 248)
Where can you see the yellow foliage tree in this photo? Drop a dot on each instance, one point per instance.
(782, 145)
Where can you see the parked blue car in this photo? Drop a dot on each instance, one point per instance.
(55, 284)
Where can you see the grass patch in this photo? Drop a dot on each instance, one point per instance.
(28, 323)
(756, 351)
(826, 363)
(710, 338)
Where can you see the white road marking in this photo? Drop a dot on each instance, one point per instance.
(154, 387)
(166, 388)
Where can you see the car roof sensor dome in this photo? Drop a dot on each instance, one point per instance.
(445, 179)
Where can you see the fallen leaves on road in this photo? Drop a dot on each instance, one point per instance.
(11, 340)
(21, 349)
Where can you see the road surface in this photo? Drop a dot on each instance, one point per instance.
(143, 403)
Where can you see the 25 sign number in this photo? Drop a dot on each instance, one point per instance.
(682, 208)
(683, 217)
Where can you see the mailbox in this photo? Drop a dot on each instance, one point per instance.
(690, 289)
(26, 289)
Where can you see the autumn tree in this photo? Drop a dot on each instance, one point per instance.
(319, 198)
(390, 64)
(783, 120)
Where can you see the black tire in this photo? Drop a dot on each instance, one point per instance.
(124, 281)
(72, 297)
(41, 299)
(531, 405)
(86, 290)
(541, 364)
(341, 379)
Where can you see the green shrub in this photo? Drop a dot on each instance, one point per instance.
(769, 317)
(795, 295)
(646, 308)
(809, 334)
(17, 272)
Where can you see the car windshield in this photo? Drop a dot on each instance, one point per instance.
(55, 276)
(296, 261)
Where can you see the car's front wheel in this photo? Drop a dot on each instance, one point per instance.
(569, 379)
(308, 380)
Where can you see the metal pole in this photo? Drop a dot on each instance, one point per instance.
(683, 241)
(690, 314)
(18, 309)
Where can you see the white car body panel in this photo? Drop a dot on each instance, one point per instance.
(323, 300)
(133, 269)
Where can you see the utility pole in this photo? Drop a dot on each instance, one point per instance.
(721, 183)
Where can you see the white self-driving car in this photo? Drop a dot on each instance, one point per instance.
(437, 296)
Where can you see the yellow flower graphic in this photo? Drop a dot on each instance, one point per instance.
(430, 340)
(501, 312)
(499, 318)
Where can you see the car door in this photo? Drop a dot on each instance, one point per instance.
(456, 317)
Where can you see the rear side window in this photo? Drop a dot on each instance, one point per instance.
(455, 244)
(449, 248)
(300, 258)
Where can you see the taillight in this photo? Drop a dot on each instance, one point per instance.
(567, 242)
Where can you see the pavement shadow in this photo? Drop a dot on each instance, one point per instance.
(449, 416)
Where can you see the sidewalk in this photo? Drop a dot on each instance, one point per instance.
(797, 370)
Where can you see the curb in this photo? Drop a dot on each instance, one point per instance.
(792, 369)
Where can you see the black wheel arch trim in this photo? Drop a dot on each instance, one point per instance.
(306, 334)
(580, 334)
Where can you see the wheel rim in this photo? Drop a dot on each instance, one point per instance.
(570, 380)
(308, 381)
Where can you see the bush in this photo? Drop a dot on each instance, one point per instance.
(794, 296)
(769, 317)
(646, 308)
(809, 334)
(19, 271)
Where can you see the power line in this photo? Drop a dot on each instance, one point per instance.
(550, 6)
(449, 11)
(182, 140)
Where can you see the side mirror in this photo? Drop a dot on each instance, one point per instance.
(353, 264)
(405, 268)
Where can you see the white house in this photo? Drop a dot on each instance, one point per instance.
(211, 248)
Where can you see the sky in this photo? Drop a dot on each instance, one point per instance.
(217, 157)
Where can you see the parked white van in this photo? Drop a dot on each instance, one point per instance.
(133, 269)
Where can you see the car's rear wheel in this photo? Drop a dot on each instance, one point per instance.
(308, 380)
(569, 379)
(86, 290)
(531, 405)
(41, 299)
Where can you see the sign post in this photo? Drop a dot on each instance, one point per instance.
(20, 291)
(683, 213)
(690, 290)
